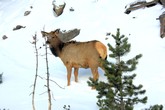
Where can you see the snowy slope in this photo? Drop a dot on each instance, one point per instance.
(94, 18)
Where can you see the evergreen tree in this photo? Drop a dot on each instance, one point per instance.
(119, 92)
(155, 107)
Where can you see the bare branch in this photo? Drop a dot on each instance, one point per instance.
(57, 84)
(43, 93)
(35, 79)
(52, 81)
(53, 96)
(47, 72)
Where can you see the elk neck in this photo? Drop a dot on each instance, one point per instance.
(56, 49)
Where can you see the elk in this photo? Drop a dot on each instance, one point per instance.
(77, 54)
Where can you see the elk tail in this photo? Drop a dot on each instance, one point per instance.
(101, 49)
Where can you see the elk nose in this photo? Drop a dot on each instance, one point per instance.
(47, 42)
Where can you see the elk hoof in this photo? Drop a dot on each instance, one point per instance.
(93, 88)
(162, 35)
(76, 81)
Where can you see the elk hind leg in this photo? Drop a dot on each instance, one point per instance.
(95, 74)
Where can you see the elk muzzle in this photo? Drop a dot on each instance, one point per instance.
(47, 42)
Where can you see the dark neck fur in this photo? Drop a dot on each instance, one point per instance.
(55, 51)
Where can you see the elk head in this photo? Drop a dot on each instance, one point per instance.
(52, 37)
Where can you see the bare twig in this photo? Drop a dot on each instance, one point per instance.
(47, 72)
(56, 84)
(45, 54)
(43, 93)
(40, 77)
(51, 81)
(53, 96)
(35, 80)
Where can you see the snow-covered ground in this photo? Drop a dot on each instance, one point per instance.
(95, 18)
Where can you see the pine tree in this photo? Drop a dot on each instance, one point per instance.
(155, 107)
(119, 92)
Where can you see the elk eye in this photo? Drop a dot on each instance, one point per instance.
(52, 37)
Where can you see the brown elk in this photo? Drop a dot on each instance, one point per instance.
(77, 54)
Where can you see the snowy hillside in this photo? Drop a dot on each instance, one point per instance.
(95, 18)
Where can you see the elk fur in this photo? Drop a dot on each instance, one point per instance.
(77, 54)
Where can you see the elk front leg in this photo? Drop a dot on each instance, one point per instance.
(76, 74)
(69, 71)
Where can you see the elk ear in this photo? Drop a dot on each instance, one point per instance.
(44, 33)
(57, 31)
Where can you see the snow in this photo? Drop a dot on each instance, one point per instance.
(95, 18)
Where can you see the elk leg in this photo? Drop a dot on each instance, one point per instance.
(95, 75)
(69, 71)
(76, 74)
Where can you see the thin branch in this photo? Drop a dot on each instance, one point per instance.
(43, 93)
(41, 77)
(45, 54)
(53, 96)
(56, 84)
(52, 81)
(35, 79)
(47, 72)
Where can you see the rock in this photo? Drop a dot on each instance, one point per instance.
(18, 27)
(1, 78)
(71, 9)
(58, 10)
(4, 37)
(162, 25)
(27, 13)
